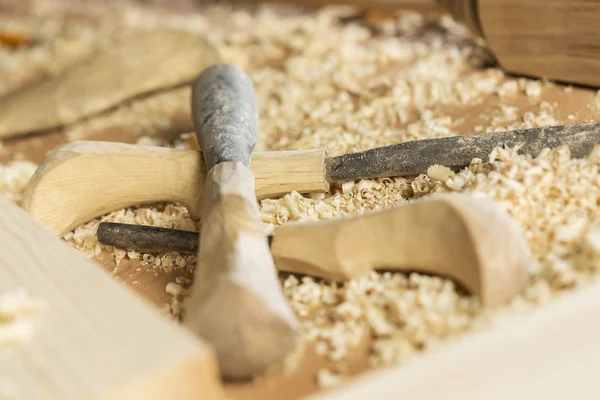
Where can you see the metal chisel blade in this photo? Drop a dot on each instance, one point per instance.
(144, 237)
(414, 157)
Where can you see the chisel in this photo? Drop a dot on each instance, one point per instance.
(476, 243)
(119, 175)
(235, 302)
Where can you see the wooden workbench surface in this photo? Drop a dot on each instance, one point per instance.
(469, 99)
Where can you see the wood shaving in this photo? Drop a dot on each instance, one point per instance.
(174, 289)
(17, 312)
(13, 179)
(439, 173)
(328, 379)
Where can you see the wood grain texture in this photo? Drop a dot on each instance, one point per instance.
(459, 236)
(236, 302)
(83, 180)
(94, 339)
(143, 63)
(550, 353)
(554, 39)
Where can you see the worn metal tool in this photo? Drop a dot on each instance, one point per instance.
(144, 237)
(120, 175)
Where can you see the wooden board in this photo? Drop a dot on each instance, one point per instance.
(559, 43)
(550, 353)
(90, 337)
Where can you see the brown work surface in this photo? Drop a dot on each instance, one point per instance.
(150, 282)
(568, 106)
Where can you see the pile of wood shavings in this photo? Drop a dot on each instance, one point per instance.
(353, 86)
(554, 198)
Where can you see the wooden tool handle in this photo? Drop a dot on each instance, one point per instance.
(84, 180)
(225, 115)
(458, 236)
(236, 301)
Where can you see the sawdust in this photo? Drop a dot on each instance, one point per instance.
(17, 312)
(13, 178)
(348, 86)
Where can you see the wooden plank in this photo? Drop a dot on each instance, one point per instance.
(550, 353)
(93, 338)
(553, 39)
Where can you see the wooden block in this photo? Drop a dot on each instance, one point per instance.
(93, 338)
(553, 39)
(552, 352)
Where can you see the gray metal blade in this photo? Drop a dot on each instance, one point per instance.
(144, 237)
(414, 157)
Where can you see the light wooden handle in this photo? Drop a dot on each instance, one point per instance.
(84, 180)
(147, 61)
(458, 236)
(236, 302)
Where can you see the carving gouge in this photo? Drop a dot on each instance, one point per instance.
(119, 175)
(476, 243)
(235, 302)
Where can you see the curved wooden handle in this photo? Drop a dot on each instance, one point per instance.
(147, 61)
(84, 180)
(458, 236)
(236, 302)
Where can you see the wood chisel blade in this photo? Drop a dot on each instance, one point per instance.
(145, 237)
(404, 159)
(414, 157)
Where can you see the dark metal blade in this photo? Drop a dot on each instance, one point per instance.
(414, 157)
(144, 237)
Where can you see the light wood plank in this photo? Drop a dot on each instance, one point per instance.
(550, 353)
(553, 39)
(94, 339)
